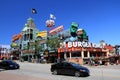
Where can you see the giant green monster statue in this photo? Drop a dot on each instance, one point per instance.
(77, 34)
(73, 30)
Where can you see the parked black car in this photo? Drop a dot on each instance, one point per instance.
(69, 68)
(9, 64)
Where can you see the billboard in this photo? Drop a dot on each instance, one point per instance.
(16, 37)
(56, 30)
(42, 34)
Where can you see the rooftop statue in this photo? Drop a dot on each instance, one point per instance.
(75, 34)
(73, 30)
(82, 35)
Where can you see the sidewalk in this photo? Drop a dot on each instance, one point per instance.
(105, 66)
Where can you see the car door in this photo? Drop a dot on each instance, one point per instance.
(3, 64)
(0, 64)
(68, 68)
(59, 68)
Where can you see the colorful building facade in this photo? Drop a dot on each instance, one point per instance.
(74, 44)
(5, 52)
(83, 52)
(24, 44)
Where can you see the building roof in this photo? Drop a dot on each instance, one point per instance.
(25, 27)
(29, 24)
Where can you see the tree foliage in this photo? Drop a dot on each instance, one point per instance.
(52, 42)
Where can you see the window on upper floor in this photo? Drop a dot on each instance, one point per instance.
(31, 31)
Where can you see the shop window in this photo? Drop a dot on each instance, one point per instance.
(27, 30)
(31, 36)
(85, 54)
(25, 37)
(77, 54)
(92, 55)
(31, 31)
(68, 54)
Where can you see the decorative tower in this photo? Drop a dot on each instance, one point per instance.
(29, 37)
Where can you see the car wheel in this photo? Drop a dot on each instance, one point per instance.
(55, 72)
(7, 68)
(77, 74)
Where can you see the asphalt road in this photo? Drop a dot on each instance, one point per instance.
(33, 71)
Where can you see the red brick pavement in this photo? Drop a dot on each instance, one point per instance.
(10, 76)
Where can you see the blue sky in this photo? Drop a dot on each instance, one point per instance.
(100, 18)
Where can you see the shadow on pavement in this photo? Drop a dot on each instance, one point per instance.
(2, 70)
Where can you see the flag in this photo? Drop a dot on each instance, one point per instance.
(52, 16)
(34, 11)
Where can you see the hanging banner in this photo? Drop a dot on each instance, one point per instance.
(42, 34)
(56, 30)
(16, 37)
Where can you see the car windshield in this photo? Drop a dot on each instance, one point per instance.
(74, 64)
(9, 61)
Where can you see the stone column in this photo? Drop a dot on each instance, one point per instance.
(88, 54)
(82, 54)
(107, 53)
(70, 55)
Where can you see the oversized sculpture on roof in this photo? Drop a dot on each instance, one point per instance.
(73, 30)
(82, 35)
(77, 34)
(74, 34)
(50, 23)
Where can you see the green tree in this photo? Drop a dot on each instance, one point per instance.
(38, 48)
(52, 42)
(35, 46)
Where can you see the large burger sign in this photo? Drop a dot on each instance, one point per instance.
(78, 44)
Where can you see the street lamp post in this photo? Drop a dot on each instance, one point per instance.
(65, 56)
